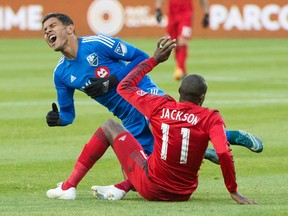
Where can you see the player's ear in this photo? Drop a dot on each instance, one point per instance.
(180, 94)
(202, 98)
(70, 29)
(179, 90)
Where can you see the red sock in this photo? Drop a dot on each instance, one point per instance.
(124, 185)
(181, 55)
(91, 152)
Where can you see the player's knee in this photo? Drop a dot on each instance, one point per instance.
(112, 128)
(109, 125)
(182, 41)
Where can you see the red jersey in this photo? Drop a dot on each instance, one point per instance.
(181, 132)
(180, 18)
(180, 6)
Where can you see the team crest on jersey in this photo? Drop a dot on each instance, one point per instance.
(102, 72)
(92, 59)
(121, 49)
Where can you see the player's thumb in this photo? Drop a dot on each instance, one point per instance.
(54, 107)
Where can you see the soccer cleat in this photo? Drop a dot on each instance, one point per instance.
(249, 141)
(58, 193)
(179, 74)
(211, 155)
(107, 192)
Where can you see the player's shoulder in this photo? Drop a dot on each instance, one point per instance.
(98, 40)
(214, 115)
(164, 100)
(169, 98)
(210, 111)
(59, 64)
(60, 67)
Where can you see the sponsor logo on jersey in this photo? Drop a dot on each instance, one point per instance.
(72, 78)
(121, 49)
(92, 59)
(102, 72)
(141, 93)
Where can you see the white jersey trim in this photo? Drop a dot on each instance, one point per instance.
(100, 38)
(59, 63)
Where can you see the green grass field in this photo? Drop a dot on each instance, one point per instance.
(247, 82)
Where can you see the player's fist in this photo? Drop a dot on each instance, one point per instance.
(100, 86)
(52, 117)
(205, 21)
(159, 15)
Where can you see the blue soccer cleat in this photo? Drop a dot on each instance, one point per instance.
(249, 141)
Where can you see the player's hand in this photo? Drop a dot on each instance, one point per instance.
(164, 48)
(159, 15)
(100, 86)
(205, 21)
(240, 199)
(52, 117)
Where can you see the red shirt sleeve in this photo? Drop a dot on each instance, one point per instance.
(220, 143)
(144, 102)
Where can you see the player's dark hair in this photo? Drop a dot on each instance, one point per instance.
(193, 88)
(63, 18)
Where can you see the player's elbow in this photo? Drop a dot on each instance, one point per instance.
(120, 88)
(124, 87)
(67, 119)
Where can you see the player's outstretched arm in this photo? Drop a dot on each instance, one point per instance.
(240, 199)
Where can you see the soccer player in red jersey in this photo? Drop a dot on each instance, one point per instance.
(179, 27)
(181, 132)
(102, 58)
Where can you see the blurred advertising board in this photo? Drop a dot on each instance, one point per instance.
(130, 18)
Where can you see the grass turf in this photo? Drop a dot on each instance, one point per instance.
(247, 82)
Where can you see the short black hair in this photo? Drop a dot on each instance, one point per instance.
(192, 88)
(65, 19)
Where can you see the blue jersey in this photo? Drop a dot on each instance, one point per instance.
(102, 56)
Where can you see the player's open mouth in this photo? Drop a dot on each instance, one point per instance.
(52, 38)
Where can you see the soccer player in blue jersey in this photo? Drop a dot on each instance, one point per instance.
(95, 65)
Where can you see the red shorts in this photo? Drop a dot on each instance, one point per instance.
(180, 25)
(133, 161)
(135, 164)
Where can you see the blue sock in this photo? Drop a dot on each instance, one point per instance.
(228, 135)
